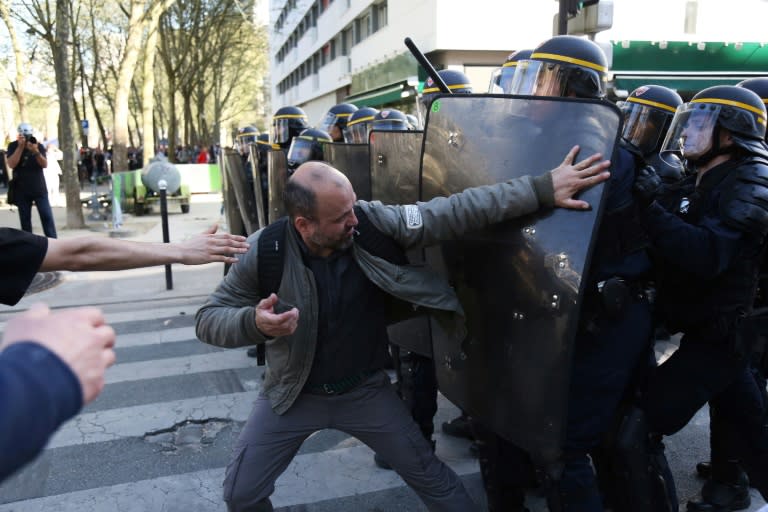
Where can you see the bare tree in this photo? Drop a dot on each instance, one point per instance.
(21, 67)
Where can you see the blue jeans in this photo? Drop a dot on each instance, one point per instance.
(24, 204)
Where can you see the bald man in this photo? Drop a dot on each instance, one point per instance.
(325, 353)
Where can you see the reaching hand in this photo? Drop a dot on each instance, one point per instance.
(647, 186)
(78, 336)
(569, 178)
(273, 324)
(209, 247)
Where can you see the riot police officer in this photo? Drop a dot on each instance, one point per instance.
(727, 484)
(359, 124)
(335, 120)
(648, 112)
(306, 146)
(501, 78)
(710, 241)
(457, 82)
(389, 119)
(615, 331)
(286, 124)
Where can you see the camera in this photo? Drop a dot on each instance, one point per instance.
(30, 138)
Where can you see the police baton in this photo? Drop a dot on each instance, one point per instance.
(427, 66)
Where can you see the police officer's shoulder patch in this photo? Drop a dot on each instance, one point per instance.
(412, 216)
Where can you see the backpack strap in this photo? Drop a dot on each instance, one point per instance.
(271, 256)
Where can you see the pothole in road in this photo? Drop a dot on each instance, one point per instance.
(188, 435)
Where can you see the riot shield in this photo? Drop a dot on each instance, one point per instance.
(231, 209)
(352, 160)
(259, 184)
(395, 157)
(240, 191)
(520, 281)
(278, 175)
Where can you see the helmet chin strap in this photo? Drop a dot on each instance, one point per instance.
(715, 151)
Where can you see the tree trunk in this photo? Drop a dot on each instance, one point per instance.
(148, 91)
(124, 80)
(60, 48)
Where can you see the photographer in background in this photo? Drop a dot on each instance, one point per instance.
(27, 159)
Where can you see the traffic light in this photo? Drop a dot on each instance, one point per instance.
(574, 6)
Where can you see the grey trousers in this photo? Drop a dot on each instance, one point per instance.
(372, 412)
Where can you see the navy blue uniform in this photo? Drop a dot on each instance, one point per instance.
(610, 346)
(707, 284)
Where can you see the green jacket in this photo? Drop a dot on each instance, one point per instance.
(228, 318)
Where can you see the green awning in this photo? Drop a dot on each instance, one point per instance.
(686, 66)
(379, 96)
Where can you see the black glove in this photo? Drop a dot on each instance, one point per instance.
(647, 186)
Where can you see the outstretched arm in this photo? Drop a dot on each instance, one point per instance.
(93, 253)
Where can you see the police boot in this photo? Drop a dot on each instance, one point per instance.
(379, 460)
(724, 492)
(704, 469)
(459, 427)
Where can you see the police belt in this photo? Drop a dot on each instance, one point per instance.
(339, 387)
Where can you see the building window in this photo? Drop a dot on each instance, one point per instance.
(379, 15)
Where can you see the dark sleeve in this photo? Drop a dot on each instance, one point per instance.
(38, 392)
(704, 250)
(21, 255)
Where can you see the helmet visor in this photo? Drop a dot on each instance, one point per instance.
(280, 131)
(506, 77)
(328, 121)
(494, 86)
(643, 125)
(691, 132)
(389, 124)
(538, 78)
(357, 133)
(300, 152)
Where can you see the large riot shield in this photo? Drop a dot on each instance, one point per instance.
(277, 165)
(239, 191)
(260, 184)
(395, 158)
(520, 281)
(352, 160)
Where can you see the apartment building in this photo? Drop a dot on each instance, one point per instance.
(326, 52)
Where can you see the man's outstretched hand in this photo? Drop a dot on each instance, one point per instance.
(569, 179)
(209, 247)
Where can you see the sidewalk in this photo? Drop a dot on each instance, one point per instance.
(100, 288)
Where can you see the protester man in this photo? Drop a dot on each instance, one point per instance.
(325, 352)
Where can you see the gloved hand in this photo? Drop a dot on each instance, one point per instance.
(647, 186)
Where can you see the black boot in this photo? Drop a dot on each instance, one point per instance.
(459, 427)
(724, 492)
(704, 469)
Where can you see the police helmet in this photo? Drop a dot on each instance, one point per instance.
(457, 82)
(563, 66)
(306, 146)
(758, 86)
(337, 116)
(501, 78)
(648, 112)
(695, 130)
(286, 124)
(359, 125)
(413, 122)
(390, 119)
(247, 135)
(25, 129)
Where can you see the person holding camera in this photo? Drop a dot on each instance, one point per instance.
(27, 159)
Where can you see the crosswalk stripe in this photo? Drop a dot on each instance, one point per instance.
(310, 478)
(136, 421)
(224, 360)
(154, 337)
